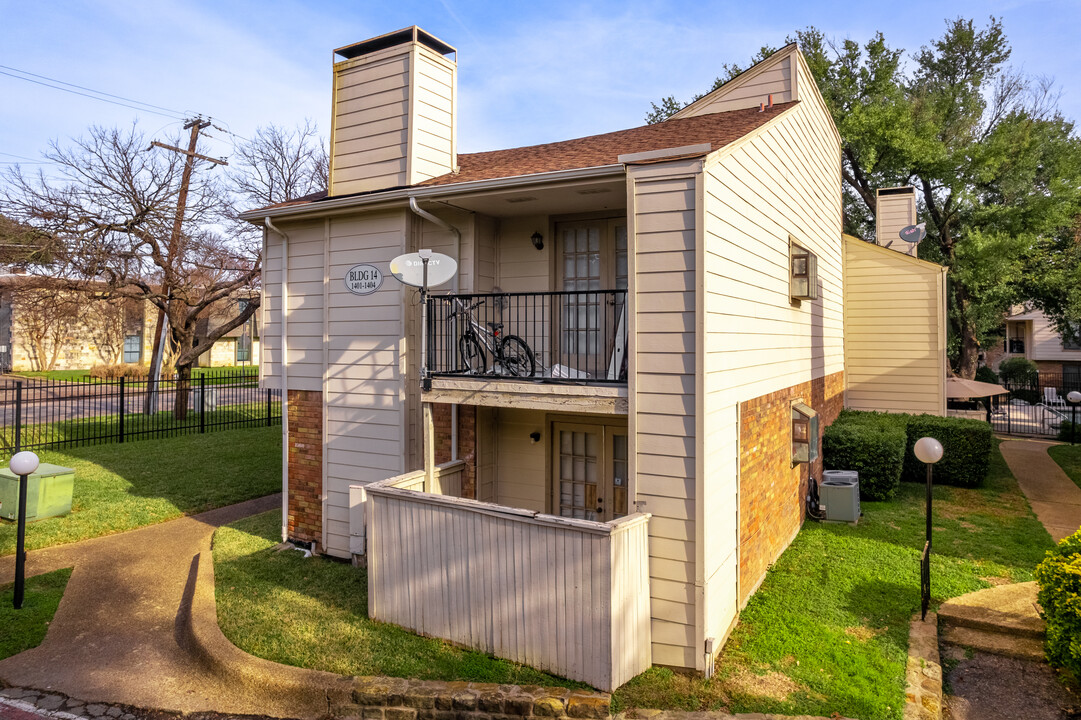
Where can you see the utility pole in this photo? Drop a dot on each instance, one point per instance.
(196, 126)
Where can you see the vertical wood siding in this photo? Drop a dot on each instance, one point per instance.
(895, 361)
(569, 597)
(751, 88)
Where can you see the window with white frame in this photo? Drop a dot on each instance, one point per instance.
(133, 349)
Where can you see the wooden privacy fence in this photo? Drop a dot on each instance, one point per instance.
(567, 596)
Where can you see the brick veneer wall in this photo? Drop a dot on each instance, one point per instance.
(306, 466)
(771, 490)
(467, 441)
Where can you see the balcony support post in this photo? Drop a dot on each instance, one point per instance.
(429, 446)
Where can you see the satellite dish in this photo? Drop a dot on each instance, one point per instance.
(409, 268)
(914, 233)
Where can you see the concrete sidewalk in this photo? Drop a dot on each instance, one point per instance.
(134, 623)
(1054, 497)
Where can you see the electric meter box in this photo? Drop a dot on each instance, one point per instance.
(48, 492)
(839, 495)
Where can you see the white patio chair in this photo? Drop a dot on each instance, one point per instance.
(1052, 399)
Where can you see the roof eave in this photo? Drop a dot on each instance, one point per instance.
(402, 195)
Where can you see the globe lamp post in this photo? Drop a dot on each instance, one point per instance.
(928, 451)
(22, 464)
(1074, 397)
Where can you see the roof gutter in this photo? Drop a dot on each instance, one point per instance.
(400, 195)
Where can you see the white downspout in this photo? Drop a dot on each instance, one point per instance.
(285, 377)
(454, 288)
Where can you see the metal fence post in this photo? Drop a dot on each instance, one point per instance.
(268, 396)
(202, 403)
(18, 415)
(121, 409)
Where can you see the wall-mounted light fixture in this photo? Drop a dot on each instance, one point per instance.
(534, 437)
(804, 433)
(538, 240)
(803, 283)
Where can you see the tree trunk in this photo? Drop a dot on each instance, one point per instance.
(969, 355)
(183, 385)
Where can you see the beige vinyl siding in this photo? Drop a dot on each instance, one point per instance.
(487, 455)
(662, 399)
(895, 212)
(365, 392)
(369, 132)
(432, 116)
(1044, 343)
(895, 361)
(781, 181)
(523, 268)
(270, 307)
(750, 89)
(520, 477)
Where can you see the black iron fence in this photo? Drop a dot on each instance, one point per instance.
(1038, 406)
(44, 414)
(576, 336)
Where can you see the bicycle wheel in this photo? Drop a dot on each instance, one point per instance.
(473, 361)
(518, 359)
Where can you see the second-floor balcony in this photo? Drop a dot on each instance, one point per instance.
(573, 337)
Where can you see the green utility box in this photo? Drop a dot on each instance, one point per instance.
(48, 492)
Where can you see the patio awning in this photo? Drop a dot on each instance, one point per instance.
(961, 388)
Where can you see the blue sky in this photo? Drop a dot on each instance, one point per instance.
(529, 72)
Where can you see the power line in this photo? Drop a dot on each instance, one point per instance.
(21, 157)
(170, 114)
(97, 92)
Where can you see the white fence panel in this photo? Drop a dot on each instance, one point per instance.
(567, 596)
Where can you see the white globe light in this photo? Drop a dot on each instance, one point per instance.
(1074, 396)
(928, 450)
(24, 463)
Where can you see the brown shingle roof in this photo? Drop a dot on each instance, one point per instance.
(717, 129)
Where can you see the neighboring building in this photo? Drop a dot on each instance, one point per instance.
(1029, 334)
(43, 328)
(237, 347)
(630, 478)
(895, 317)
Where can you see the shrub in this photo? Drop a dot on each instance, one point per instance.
(1018, 371)
(966, 449)
(986, 374)
(1064, 431)
(1059, 577)
(874, 449)
(112, 372)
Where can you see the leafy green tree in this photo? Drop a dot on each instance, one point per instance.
(996, 167)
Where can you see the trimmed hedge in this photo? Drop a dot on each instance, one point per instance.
(876, 451)
(1059, 577)
(965, 459)
(966, 450)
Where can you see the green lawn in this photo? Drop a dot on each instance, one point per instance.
(83, 375)
(106, 428)
(124, 486)
(1069, 459)
(24, 629)
(828, 630)
(313, 613)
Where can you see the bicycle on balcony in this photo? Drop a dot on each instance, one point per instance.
(511, 355)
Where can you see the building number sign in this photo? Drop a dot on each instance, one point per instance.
(363, 279)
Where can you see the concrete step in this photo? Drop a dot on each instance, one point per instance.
(1007, 609)
(1025, 648)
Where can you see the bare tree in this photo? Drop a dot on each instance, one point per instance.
(45, 320)
(110, 213)
(279, 164)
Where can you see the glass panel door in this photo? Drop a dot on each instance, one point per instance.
(577, 465)
(591, 469)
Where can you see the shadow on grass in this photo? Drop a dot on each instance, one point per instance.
(129, 485)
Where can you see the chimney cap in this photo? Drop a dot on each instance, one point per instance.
(398, 37)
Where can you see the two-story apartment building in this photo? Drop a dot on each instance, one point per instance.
(627, 373)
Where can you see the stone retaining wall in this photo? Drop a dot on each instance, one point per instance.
(380, 698)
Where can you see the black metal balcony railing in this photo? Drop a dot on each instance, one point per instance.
(575, 336)
(1015, 345)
